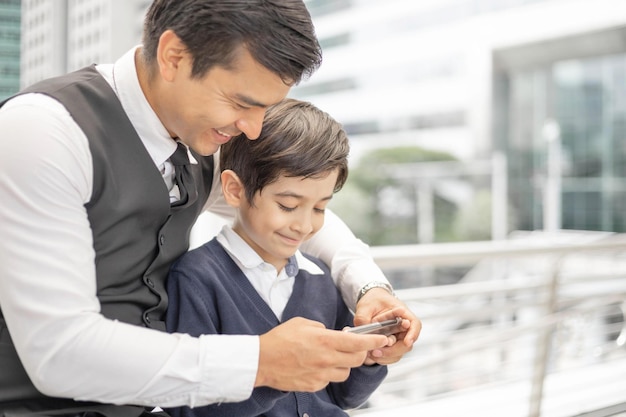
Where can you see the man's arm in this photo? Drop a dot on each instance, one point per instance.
(48, 284)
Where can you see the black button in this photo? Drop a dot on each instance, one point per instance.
(149, 282)
(162, 240)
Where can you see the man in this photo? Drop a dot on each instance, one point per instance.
(89, 232)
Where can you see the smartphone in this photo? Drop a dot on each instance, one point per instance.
(386, 327)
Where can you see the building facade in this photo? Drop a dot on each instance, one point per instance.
(467, 77)
(472, 77)
(59, 36)
(9, 47)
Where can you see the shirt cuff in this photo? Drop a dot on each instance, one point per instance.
(357, 275)
(229, 367)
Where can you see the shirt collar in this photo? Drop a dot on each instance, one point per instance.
(247, 258)
(123, 79)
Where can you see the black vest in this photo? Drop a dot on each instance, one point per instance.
(135, 232)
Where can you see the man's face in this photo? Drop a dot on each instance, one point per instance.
(207, 112)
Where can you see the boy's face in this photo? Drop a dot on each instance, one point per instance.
(285, 214)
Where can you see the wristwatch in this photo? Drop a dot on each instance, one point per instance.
(372, 285)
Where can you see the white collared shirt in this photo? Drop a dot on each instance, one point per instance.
(275, 287)
(150, 130)
(47, 269)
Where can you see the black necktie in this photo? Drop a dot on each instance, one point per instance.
(183, 176)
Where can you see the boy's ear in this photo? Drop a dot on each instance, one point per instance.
(232, 187)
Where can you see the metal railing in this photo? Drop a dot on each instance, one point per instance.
(535, 327)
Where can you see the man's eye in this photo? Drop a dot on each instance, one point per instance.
(319, 210)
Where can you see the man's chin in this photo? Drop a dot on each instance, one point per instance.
(206, 150)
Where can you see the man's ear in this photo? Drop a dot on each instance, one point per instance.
(232, 188)
(170, 55)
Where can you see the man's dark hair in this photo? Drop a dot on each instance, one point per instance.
(279, 34)
(297, 140)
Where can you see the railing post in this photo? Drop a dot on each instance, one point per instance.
(499, 197)
(552, 193)
(542, 355)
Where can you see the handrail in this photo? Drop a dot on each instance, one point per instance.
(403, 256)
(558, 292)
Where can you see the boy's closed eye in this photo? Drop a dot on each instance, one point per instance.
(285, 208)
(288, 209)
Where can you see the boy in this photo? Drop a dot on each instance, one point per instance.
(252, 277)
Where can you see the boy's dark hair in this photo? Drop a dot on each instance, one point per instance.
(297, 140)
(279, 34)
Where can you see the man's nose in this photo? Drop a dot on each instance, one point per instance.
(252, 122)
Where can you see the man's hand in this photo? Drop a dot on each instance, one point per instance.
(378, 304)
(302, 355)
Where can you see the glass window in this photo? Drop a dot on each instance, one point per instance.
(587, 98)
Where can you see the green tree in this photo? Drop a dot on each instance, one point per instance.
(380, 209)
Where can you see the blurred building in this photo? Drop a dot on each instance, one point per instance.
(543, 81)
(9, 47)
(471, 77)
(59, 36)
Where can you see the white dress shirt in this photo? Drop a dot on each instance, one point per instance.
(274, 287)
(47, 268)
